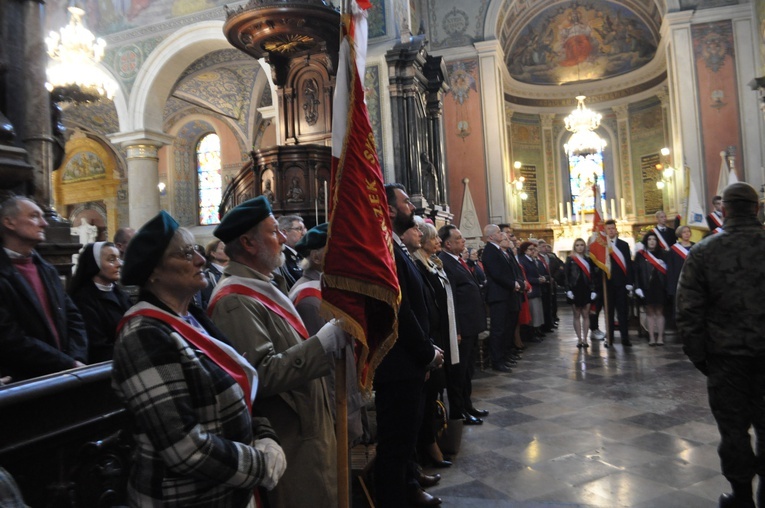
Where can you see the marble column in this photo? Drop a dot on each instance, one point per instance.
(547, 208)
(143, 178)
(624, 185)
(490, 63)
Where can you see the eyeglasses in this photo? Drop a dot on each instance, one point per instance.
(186, 252)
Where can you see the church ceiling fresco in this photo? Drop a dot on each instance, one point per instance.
(580, 41)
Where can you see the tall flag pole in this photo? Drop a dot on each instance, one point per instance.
(600, 254)
(359, 282)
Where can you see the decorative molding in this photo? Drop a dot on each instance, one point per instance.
(142, 152)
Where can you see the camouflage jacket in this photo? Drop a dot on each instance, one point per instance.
(719, 306)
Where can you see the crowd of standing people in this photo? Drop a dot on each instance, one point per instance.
(225, 363)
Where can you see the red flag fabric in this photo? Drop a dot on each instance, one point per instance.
(598, 242)
(359, 282)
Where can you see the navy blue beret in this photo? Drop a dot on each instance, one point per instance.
(144, 252)
(242, 218)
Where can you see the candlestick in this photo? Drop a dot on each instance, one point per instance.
(613, 208)
(326, 197)
(568, 211)
(623, 205)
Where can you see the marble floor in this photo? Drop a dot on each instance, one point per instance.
(616, 427)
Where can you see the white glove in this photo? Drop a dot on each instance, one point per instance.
(570, 295)
(593, 296)
(628, 287)
(639, 292)
(332, 337)
(275, 461)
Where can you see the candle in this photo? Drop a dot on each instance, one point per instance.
(613, 208)
(560, 212)
(316, 200)
(326, 198)
(623, 208)
(568, 210)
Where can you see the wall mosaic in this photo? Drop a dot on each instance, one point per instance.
(185, 172)
(220, 90)
(99, 117)
(372, 97)
(585, 41)
(125, 61)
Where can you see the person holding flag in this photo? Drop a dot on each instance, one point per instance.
(618, 284)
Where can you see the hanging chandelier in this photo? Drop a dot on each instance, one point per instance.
(73, 73)
(583, 122)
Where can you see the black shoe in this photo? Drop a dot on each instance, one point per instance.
(478, 413)
(730, 501)
(428, 480)
(468, 419)
(440, 464)
(421, 498)
(626, 343)
(501, 368)
(535, 340)
(511, 363)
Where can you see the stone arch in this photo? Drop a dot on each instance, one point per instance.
(162, 69)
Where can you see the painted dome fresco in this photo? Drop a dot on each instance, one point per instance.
(580, 41)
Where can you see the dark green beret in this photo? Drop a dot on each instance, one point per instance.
(315, 238)
(144, 252)
(242, 218)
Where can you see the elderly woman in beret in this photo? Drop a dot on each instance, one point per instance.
(189, 394)
(101, 301)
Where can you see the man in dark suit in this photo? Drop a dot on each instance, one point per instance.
(665, 233)
(293, 229)
(41, 330)
(504, 283)
(470, 314)
(400, 378)
(715, 217)
(620, 283)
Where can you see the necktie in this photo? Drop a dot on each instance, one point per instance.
(464, 265)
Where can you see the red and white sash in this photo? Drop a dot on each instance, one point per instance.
(585, 267)
(662, 241)
(717, 220)
(617, 256)
(270, 297)
(222, 354)
(306, 290)
(680, 250)
(657, 263)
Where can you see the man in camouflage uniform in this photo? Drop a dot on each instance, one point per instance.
(720, 318)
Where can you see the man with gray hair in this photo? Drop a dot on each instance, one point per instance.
(720, 317)
(504, 283)
(41, 330)
(293, 229)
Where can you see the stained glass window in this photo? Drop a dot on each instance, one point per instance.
(583, 172)
(209, 179)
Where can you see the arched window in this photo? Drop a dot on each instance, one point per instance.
(583, 172)
(209, 181)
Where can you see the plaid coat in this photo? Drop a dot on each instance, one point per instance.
(191, 425)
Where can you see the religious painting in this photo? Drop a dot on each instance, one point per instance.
(83, 166)
(581, 41)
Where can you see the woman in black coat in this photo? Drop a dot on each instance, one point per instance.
(651, 284)
(101, 302)
(580, 290)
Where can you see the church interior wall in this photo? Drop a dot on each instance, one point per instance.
(464, 138)
(162, 49)
(647, 138)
